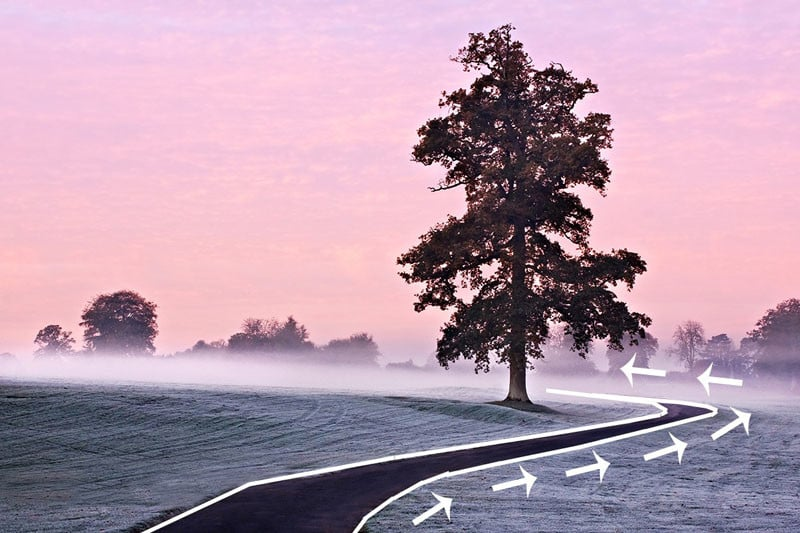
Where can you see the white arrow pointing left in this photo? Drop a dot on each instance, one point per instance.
(741, 418)
(444, 503)
(629, 370)
(705, 378)
(527, 479)
(678, 447)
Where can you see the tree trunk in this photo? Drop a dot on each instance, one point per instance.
(517, 388)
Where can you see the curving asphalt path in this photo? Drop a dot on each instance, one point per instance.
(337, 501)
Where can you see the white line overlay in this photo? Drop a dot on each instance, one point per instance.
(655, 402)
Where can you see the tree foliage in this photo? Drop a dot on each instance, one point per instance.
(518, 260)
(270, 335)
(120, 323)
(644, 348)
(53, 340)
(727, 360)
(689, 340)
(777, 337)
(359, 348)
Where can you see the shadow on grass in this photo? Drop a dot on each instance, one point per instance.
(526, 406)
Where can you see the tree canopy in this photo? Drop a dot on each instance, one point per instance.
(270, 335)
(120, 323)
(777, 336)
(358, 348)
(727, 360)
(53, 340)
(690, 338)
(644, 348)
(518, 260)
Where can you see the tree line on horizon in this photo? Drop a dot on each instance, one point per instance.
(124, 323)
(770, 349)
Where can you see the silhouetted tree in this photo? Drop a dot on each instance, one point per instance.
(777, 336)
(257, 335)
(203, 348)
(644, 348)
(689, 340)
(748, 353)
(408, 366)
(122, 323)
(53, 340)
(727, 360)
(515, 144)
(269, 335)
(359, 348)
(292, 336)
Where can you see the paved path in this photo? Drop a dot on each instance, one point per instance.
(337, 501)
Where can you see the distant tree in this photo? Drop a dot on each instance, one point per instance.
(408, 366)
(53, 340)
(204, 348)
(6, 357)
(121, 323)
(258, 327)
(727, 360)
(644, 348)
(748, 353)
(359, 348)
(259, 335)
(689, 340)
(515, 144)
(777, 336)
(292, 336)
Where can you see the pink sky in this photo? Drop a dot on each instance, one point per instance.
(254, 159)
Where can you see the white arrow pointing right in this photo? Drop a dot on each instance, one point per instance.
(601, 465)
(527, 479)
(444, 503)
(629, 370)
(678, 447)
(741, 418)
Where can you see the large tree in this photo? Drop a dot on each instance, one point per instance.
(777, 336)
(518, 260)
(120, 323)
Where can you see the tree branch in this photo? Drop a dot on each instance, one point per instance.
(445, 187)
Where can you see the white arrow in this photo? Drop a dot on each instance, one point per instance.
(629, 370)
(679, 447)
(741, 418)
(601, 465)
(527, 479)
(705, 378)
(444, 503)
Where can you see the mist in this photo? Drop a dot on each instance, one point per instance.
(282, 372)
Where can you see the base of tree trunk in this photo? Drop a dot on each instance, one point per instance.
(528, 407)
(517, 387)
(510, 399)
